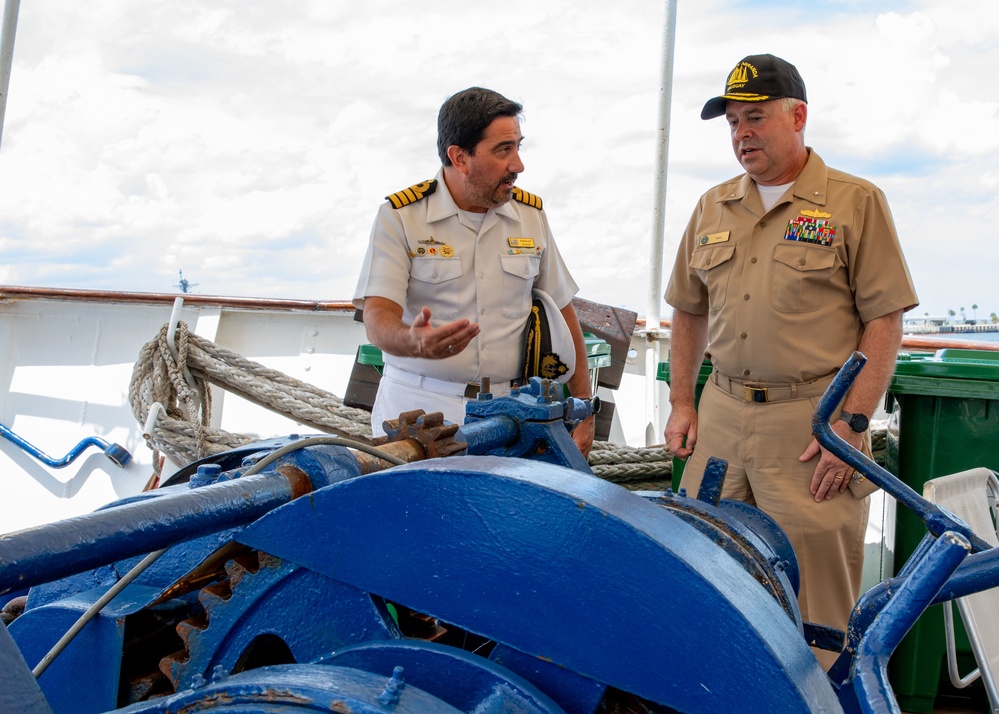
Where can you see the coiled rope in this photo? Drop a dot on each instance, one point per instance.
(623, 464)
(184, 432)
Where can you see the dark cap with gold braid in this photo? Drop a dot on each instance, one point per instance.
(529, 198)
(757, 78)
(412, 194)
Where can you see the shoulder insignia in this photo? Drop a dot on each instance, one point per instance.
(412, 194)
(529, 198)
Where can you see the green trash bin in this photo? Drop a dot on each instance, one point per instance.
(598, 354)
(702, 378)
(944, 418)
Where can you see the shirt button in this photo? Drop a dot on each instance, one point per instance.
(763, 224)
(743, 335)
(753, 260)
(801, 262)
(745, 373)
(434, 275)
(482, 312)
(481, 276)
(746, 296)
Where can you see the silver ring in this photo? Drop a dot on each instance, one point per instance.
(450, 348)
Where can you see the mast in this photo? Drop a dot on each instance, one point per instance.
(653, 432)
(7, 31)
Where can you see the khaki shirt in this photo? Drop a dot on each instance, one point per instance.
(787, 292)
(430, 253)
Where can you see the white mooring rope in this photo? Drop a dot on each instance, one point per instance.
(184, 434)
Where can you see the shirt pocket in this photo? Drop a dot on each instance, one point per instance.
(714, 266)
(435, 283)
(802, 276)
(519, 273)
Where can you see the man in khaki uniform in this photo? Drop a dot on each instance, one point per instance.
(782, 273)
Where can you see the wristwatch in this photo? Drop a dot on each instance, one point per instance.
(857, 422)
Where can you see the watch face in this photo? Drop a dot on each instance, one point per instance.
(857, 422)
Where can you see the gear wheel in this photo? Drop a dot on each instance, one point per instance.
(270, 611)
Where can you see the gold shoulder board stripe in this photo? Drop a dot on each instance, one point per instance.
(529, 198)
(412, 194)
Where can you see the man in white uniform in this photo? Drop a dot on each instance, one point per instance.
(465, 250)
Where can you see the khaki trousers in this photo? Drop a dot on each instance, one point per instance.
(762, 443)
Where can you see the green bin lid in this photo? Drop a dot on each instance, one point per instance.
(662, 374)
(369, 354)
(598, 351)
(948, 372)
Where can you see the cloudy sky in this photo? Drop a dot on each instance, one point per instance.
(249, 143)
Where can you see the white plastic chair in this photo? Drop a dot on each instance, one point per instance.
(973, 496)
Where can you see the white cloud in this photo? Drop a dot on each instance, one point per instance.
(249, 143)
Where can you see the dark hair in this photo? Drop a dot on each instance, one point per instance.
(463, 118)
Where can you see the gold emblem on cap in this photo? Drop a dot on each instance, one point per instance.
(740, 75)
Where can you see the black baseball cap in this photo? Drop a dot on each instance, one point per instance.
(757, 78)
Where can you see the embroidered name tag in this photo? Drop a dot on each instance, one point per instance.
(714, 238)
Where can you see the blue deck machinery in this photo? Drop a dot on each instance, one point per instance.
(473, 569)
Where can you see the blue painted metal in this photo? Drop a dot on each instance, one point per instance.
(19, 691)
(463, 680)
(868, 688)
(977, 573)
(558, 566)
(712, 481)
(275, 601)
(55, 550)
(937, 520)
(529, 423)
(101, 641)
(572, 691)
(52, 551)
(118, 455)
(750, 537)
(582, 588)
(164, 572)
(302, 688)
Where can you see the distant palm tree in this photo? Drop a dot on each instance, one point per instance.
(974, 310)
(994, 318)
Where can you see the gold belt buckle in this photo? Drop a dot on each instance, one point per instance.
(754, 394)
